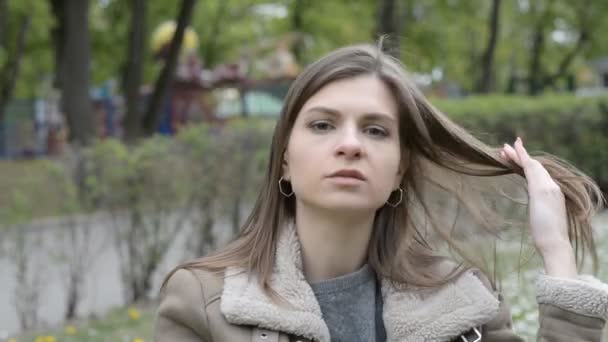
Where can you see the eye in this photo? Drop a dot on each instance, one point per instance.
(376, 131)
(321, 126)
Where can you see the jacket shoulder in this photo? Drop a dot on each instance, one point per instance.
(500, 327)
(182, 313)
(211, 283)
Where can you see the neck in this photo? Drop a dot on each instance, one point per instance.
(332, 244)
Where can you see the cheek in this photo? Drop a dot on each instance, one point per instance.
(389, 167)
(301, 161)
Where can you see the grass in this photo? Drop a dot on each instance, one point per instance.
(119, 325)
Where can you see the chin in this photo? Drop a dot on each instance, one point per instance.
(347, 205)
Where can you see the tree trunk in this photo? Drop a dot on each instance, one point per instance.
(386, 25)
(10, 72)
(206, 239)
(75, 78)
(133, 70)
(236, 215)
(297, 27)
(562, 69)
(210, 51)
(133, 261)
(535, 73)
(58, 37)
(402, 18)
(3, 24)
(73, 297)
(471, 38)
(513, 77)
(152, 116)
(487, 80)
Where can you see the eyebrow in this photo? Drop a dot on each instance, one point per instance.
(366, 116)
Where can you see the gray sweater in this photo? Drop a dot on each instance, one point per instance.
(352, 306)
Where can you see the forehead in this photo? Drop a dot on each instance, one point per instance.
(356, 95)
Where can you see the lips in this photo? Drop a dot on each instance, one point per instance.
(348, 173)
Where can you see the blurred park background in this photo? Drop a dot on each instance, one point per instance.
(134, 133)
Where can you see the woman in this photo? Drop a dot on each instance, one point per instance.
(336, 249)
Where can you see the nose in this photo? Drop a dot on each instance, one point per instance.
(349, 145)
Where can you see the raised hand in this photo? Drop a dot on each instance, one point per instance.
(547, 213)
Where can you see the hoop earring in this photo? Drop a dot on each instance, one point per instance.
(283, 192)
(394, 205)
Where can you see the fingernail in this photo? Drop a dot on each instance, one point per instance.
(519, 139)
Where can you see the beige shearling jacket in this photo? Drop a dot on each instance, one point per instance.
(200, 306)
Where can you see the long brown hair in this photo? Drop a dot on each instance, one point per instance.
(444, 161)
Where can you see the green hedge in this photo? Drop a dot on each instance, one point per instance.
(569, 127)
(232, 159)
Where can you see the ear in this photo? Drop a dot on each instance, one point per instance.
(285, 166)
(399, 176)
(403, 166)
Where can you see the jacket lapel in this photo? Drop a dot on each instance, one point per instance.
(243, 301)
(410, 315)
(437, 315)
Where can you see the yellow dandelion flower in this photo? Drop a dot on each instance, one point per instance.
(70, 330)
(138, 340)
(49, 339)
(12, 340)
(39, 339)
(133, 313)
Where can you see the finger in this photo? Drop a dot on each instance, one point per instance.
(523, 155)
(511, 154)
(535, 172)
(503, 155)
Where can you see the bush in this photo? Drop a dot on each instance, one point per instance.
(225, 168)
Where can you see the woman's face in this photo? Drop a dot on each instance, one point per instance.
(348, 126)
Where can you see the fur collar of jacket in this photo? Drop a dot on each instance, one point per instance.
(409, 315)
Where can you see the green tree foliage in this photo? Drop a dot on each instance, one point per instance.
(36, 61)
(446, 35)
(541, 45)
